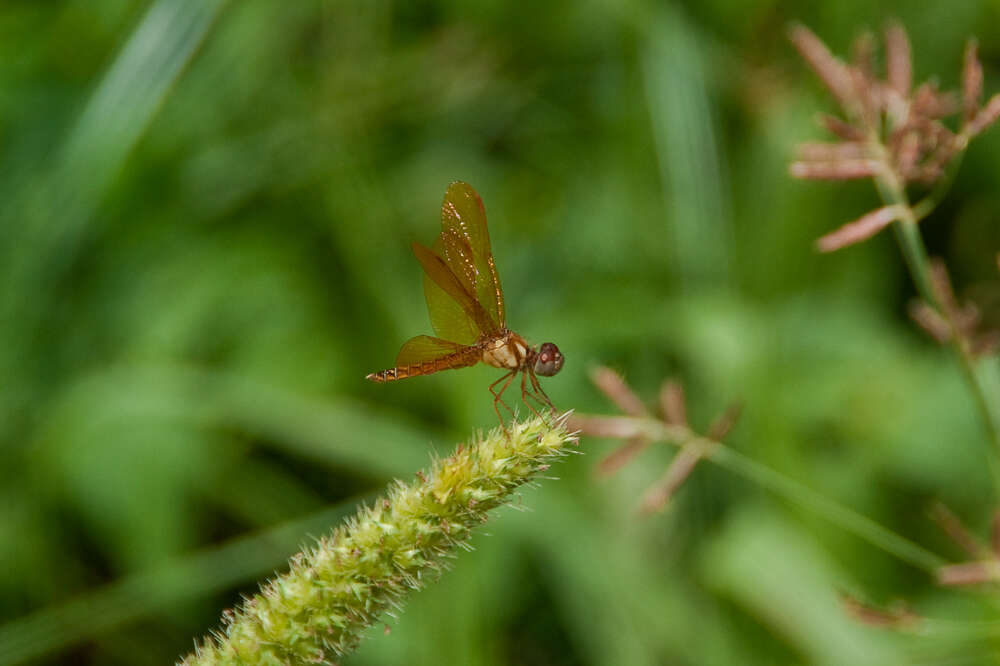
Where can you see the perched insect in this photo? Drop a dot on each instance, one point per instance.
(467, 309)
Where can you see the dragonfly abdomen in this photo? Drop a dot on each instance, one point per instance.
(460, 359)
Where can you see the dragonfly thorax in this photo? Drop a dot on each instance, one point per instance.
(509, 351)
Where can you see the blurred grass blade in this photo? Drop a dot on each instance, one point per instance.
(331, 430)
(126, 100)
(767, 565)
(211, 570)
(45, 223)
(109, 127)
(694, 182)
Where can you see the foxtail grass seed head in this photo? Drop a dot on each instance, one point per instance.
(317, 611)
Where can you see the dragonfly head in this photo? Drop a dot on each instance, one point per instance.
(548, 360)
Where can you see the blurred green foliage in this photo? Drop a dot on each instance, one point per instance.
(206, 213)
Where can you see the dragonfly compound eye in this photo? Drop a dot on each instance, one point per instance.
(549, 360)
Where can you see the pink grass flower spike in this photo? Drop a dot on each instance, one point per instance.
(891, 131)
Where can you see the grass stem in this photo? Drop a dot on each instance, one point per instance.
(914, 252)
(770, 479)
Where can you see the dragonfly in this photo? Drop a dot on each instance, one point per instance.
(467, 311)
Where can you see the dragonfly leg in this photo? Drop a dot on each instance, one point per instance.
(526, 393)
(539, 394)
(498, 400)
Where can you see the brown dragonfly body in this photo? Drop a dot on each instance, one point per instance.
(466, 305)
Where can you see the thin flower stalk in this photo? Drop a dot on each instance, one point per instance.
(674, 429)
(921, 271)
(317, 611)
(770, 479)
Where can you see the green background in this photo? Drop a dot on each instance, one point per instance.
(205, 216)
